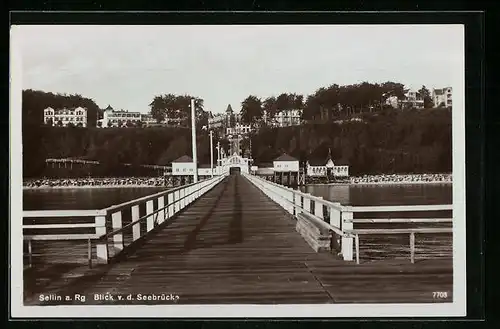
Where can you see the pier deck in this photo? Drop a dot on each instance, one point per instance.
(234, 245)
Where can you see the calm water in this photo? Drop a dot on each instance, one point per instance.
(82, 198)
(96, 198)
(384, 195)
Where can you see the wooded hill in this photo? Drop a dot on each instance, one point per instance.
(385, 142)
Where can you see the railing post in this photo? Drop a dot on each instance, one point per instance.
(412, 247)
(150, 220)
(297, 204)
(336, 221)
(307, 204)
(30, 254)
(347, 243)
(136, 228)
(161, 213)
(182, 200)
(170, 200)
(318, 209)
(116, 222)
(291, 199)
(357, 248)
(101, 245)
(177, 203)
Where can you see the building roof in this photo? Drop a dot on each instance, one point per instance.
(108, 108)
(438, 91)
(316, 162)
(229, 108)
(264, 165)
(184, 158)
(285, 157)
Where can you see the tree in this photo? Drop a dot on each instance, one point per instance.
(70, 125)
(99, 124)
(110, 124)
(80, 125)
(269, 107)
(129, 123)
(251, 109)
(59, 123)
(425, 94)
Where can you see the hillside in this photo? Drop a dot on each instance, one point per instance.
(385, 142)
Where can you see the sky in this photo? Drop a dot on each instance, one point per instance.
(126, 66)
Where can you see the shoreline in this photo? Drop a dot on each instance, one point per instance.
(81, 187)
(385, 183)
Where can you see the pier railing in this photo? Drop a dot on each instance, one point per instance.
(112, 229)
(340, 219)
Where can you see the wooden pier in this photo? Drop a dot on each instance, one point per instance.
(235, 244)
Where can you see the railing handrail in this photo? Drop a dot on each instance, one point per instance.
(117, 231)
(63, 213)
(400, 220)
(374, 231)
(314, 198)
(400, 208)
(153, 196)
(338, 206)
(320, 221)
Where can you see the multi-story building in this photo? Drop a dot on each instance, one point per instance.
(239, 129)
(118, 118)
(413, 99)
(64, 117)
(442, 97)
(284, 118)
(217, 121)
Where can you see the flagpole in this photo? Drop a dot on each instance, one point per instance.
(193, 136)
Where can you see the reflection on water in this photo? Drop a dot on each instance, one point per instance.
(384, 195)
(82, 198)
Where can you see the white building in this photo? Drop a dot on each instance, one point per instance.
(285, 163)
(442, 97)
(114, 118)
(413, 99)
(64, 117)
(284, 118)
(326, 168)
(183, 166)
(239, 129)
(217, 121)
(392, 101)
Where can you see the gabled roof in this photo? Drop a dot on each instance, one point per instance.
(108, 108)
(316, 162)
(229, 108)
(183, 158)
(264, 165)
(285, 157)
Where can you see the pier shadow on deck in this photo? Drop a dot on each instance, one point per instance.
(235, 245)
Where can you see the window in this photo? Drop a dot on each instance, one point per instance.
(184, 169)
(177, 169)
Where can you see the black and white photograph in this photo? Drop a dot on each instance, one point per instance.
(237, 171)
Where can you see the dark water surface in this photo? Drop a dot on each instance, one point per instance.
(82, 198)
(384, 195)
